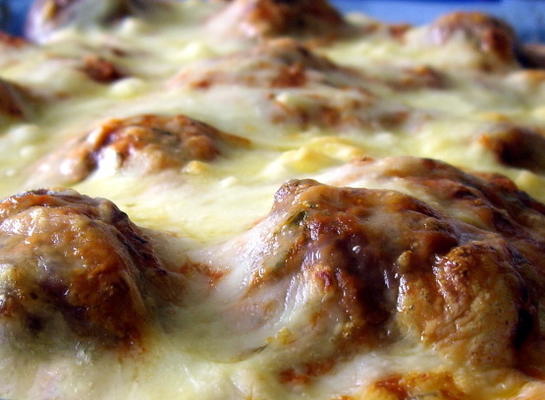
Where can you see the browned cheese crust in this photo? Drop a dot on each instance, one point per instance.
(147, 143)
(461, 272)
(71, 260)
(437, 386)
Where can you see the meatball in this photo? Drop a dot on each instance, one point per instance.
(491, 36)
(144, 144)
(460, 270)
(300, 87)
(269, 18)
(76, 262)
(47, 16)
(279, 63)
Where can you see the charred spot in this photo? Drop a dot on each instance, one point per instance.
(464, 193)
(525, 327)
(34, 324)
(503, 223)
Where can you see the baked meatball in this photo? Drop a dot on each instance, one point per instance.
(269, 18)
(143, 144)
(300, 87)
(47, 16)
(490, 36)
(279, 63)
(459, 270)
(73, 263)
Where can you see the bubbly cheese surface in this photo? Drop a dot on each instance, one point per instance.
(376, 91)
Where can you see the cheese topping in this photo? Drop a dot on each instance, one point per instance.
(278, 241)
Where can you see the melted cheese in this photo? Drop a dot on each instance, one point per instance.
(194, 355)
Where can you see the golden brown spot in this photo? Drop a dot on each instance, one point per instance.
(436, 386)
(419, 77)
(306, 373)
(213, 276)
(291, 76)
(393, 386)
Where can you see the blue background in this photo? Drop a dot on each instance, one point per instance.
(527, 16)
